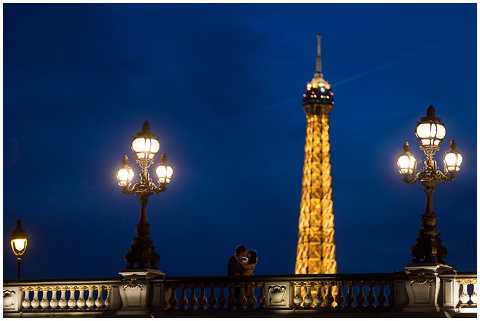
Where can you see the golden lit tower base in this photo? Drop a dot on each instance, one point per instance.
(316, 230)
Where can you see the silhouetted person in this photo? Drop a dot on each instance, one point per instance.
(250, 265)
(236, 268)
(235, 263)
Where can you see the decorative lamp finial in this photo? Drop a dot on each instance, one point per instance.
(146, 126)
(431, 112)
(453, 145)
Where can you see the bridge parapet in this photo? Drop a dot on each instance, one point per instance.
(349, 295)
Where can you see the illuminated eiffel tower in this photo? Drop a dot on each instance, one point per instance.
(316, 242)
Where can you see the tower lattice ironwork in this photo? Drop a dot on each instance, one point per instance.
(316, 229)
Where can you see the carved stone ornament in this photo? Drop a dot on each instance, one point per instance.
(9, 300)
(133, 282)
(422, 278)
(277, 295)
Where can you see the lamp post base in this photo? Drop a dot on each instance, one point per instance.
(136, 290)
(423, 286)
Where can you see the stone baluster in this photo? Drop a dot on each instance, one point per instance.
(53, 300)
(99, 301)
(202, 300)
(317, 295)
(330, 297)
(81, 297)
(184, 300)
(324, 291)
(44, 303)
(108, 300)
(193, 298)
(335, 294)
(72, 302)
(26, 298)
(297, 297)
(463, 298)
(370, 295)
(350, 297)
(212, 299)
(172, 301)
(231, 296)
(90, 300)
(35, 303)
(222, 300)
(262, 297)
(308, 300)
(361, 296)
(382, 299)
(243, 295)
(63, 300)
(252, 295)
(473, 297)
(338, 297)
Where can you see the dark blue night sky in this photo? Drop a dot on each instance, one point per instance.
(221, 86)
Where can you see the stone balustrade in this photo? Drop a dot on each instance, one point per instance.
(61, 297)
(323, 293)
(381, 294)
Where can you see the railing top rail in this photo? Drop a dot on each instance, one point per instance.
(296, 277)
(459, 275)
(114, 280)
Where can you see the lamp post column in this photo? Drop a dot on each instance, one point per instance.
(428, 248)
(19, 260)
(142, 253)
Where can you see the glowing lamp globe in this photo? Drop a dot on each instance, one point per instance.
(164, 171)
(125, 173)
(406, 162)
(452, 159)
(19, 240)
(430, 131)
(145, 144)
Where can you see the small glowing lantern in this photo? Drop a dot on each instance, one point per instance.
(452, 159)
(164, 171)
(19, 240)
(145, 144)
(125, 173)
(406, 162)
(430, 131)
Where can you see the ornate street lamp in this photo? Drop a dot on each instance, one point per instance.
(19, 243)
(145, 145)
(430, 133)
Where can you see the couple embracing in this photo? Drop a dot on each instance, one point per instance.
(243, 262)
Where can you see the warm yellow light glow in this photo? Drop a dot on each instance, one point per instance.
(19, 246)
(423, 131)
(145, 148)
(406, 164)
(125, 176)
(452, 161)
(430, 133)
(164, 173)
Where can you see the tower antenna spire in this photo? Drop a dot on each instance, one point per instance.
(318, 60)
